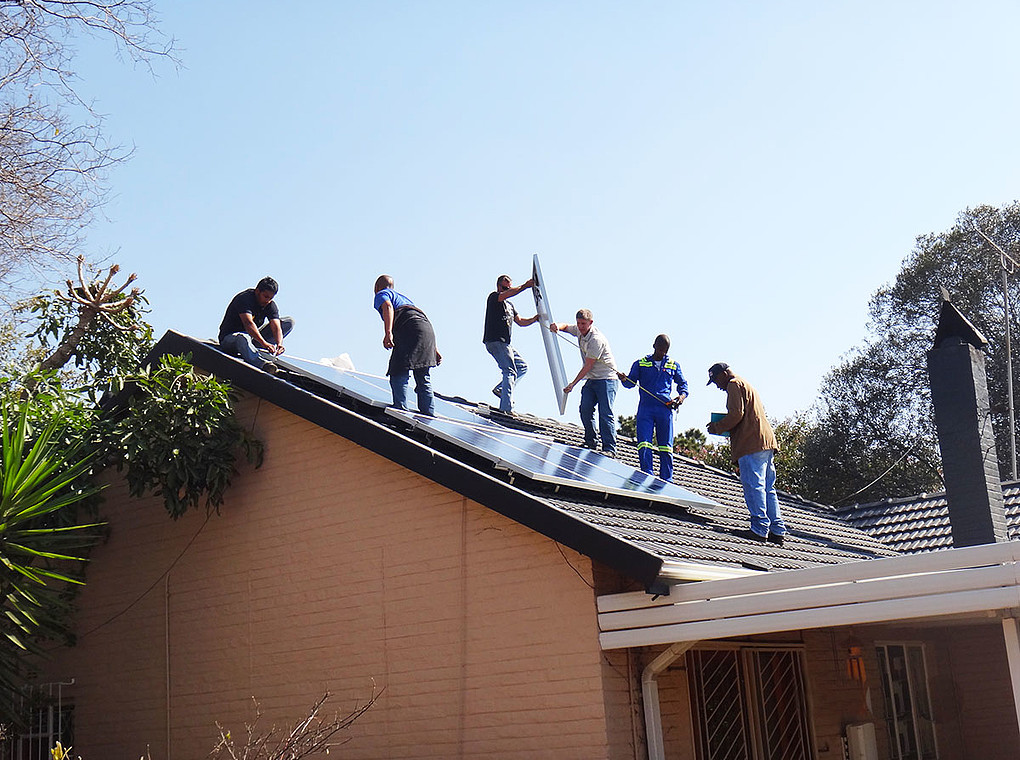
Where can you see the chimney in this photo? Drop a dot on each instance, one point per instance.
(970, 463)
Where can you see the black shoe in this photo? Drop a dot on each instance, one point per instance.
(750, 535)
(270, 368)
(776, 538)
(497, 392)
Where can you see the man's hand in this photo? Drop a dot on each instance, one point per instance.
(568, 388)
(529, 284)
(554, 327)
(623, 377)
(387, 340)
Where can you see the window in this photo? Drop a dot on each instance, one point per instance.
(907, 702)
(49, 718)
(749, 704)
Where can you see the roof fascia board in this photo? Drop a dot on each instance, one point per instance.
(501, 497)
(817, 597)
(886, 567)
(931, 605)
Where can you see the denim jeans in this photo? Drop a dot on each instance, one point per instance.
(422, 388)
(241, 344)
(758, 477)
(660, 419)
(513, 367)
(599, 393)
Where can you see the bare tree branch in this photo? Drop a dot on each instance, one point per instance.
(313, 735)
(54, 158)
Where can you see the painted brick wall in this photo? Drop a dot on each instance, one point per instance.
(332, 567)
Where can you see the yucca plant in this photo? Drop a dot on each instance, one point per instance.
(44, 541)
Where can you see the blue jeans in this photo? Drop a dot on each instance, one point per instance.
(422, 388)
(758, 477)
(657, 417)
(513, 367)
(241, 344)
(599, 393)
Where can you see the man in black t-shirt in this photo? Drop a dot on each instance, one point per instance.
(240, 332)
(500, 316)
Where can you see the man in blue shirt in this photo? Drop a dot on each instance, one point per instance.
(408, 332)
(654, 375)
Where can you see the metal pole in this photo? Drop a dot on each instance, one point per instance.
(1008, 265)
(1009, 367)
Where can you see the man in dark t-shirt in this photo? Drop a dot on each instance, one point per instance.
(242, 331)
(500, 316)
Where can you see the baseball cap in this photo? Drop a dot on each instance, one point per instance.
(715, 369)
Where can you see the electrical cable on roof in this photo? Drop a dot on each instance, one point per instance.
(603, 361)
(859, 490)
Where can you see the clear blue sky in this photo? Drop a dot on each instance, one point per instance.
(739, 175)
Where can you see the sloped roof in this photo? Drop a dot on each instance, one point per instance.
(639, 538)
(921, 523)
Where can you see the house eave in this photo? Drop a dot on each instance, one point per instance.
(968, 581)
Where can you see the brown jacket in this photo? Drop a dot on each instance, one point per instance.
(749, 428)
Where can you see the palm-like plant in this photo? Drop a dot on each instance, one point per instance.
(43, 543)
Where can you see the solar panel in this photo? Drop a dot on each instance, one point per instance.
(368, 389)
(542, 459)
(372, 389)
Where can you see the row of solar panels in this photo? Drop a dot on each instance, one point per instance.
(533, 456)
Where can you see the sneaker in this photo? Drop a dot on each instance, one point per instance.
(776, 538)
(270, 368)
(750, 535)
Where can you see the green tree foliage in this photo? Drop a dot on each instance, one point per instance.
(45, 478)
(179, 437)
(172, 431)
(875, 434)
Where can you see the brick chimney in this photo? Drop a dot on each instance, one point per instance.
(970, 463)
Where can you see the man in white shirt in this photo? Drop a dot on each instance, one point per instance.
(599, 374)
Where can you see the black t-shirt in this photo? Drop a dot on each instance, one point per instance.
(499, 316)
(246, 302)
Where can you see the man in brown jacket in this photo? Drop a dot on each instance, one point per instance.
(752, 446)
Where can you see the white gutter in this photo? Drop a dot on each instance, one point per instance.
(650, 694)
(694, 571)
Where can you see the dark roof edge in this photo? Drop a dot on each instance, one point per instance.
(507, 500)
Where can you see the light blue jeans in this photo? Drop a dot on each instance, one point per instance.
(513, 367)
(422, 388)
(241, 344)
(599, 393)
(758, 477)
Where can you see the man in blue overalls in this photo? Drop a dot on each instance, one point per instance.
(655, 375)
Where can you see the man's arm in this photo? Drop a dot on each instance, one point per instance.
(511, 292)
(734, 410)
(681, 387)
(629, 381)
(256, 336)
(589, 362)
(386, 310)
(525, 322)
(277, 328)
